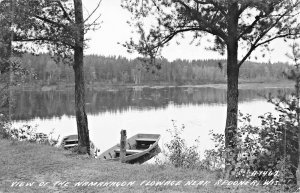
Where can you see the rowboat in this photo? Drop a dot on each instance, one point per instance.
(139, 149)
(71, 141)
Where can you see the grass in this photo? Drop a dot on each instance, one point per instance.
(38, 164)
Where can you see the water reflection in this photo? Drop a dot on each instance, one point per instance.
(147, 110)
(45, 105)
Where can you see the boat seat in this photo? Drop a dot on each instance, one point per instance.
(129, 151)
(70, 145)
(75, 141)
(145, 140)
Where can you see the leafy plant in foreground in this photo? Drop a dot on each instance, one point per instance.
(267, 147)
(178, 153)
(27, 133)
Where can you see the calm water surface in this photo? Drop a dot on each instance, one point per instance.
(139, 110)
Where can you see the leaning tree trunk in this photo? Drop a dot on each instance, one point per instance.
(81, 118)
(232, 92)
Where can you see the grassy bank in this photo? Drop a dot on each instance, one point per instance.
(39, 164)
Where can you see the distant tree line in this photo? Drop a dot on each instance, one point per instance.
(120, 70)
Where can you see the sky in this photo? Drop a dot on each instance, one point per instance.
(114, 30)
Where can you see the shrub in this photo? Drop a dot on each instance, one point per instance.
(259, 148)
(27, 133)
(178, 153)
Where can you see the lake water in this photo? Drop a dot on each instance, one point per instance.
(139, 110)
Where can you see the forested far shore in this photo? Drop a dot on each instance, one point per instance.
(120, 70)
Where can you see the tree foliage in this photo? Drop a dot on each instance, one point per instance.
(246, 24)
(47, 25)
(258, 22)
(274, 144)
(59, 27)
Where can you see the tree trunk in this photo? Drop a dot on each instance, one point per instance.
(232, 111)
(293, 138)
(291, 143)
(5, 54)
(232, 91)
(6, 71)
(81, 118)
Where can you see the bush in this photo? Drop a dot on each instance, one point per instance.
(27, 133)
(259, 148)
(4, 130)
(267, 147)
(178, 153)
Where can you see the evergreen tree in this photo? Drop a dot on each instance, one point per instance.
(246, 24)
(59, 26)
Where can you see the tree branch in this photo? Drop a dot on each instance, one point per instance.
(87, 26)
(214, 3)
(249, 27)
(253, 47)
(98, 5)
(218, 6)
(208, 27)
(276, 37)
(43, 39)
(49, 21)
(261, 15)
(256, 42)
(172, 35)
(65, 12)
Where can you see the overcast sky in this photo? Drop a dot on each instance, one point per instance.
(114, 29)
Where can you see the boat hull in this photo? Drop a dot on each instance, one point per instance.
(71, 141)
(139, 149)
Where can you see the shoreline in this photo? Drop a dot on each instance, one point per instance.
(102, 87)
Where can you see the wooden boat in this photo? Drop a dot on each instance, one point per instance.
(71, 141)
(139, 149)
